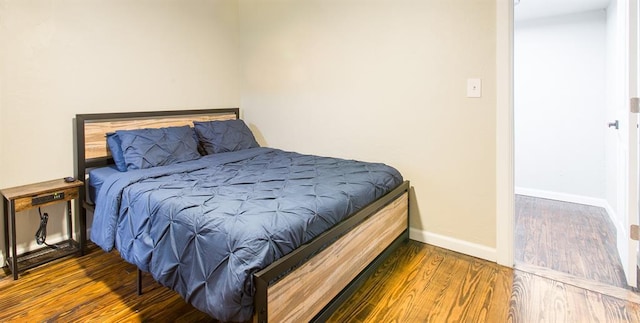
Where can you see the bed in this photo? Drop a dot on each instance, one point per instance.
(242, 232)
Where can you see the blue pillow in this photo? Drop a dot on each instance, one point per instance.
(224, 136)
(146, 148)
(113, 142)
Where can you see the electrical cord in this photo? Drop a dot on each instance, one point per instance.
(41, 234)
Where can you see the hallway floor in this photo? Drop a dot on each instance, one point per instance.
(574, 239)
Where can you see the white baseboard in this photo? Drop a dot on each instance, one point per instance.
(490, 254)
(559, 196)
(621, 232)
(457, 245)
(621, 238)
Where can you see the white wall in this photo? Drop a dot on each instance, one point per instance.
(560, 122)
(384, 80)
(64, 57)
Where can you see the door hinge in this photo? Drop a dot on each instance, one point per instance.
(634, 105)
(635, 232)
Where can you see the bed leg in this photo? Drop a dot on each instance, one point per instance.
(139, 282)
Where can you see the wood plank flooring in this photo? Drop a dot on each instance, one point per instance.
(98, 287)
(570, 238)
(418, 283)
(422, 283)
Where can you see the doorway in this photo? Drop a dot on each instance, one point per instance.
(563, 156)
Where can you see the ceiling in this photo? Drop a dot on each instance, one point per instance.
(530, 9)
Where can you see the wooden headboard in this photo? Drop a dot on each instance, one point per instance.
(91, 142)
(91, 129)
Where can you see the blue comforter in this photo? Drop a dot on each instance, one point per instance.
(203, 227)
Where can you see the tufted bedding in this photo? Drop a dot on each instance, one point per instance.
(205, 226)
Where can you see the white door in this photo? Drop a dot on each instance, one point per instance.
(628, 141)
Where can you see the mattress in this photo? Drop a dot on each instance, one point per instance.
(97, 176)
(204, 227)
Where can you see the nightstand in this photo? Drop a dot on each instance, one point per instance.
(22, 198)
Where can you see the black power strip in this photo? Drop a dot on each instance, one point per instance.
(47, 198)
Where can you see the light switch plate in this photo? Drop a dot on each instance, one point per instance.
(474, 88)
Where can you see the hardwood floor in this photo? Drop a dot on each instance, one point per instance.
(418, 283)
(422, 283)
(570, 238)
(98, 287)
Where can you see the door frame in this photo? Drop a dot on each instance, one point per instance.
(505, 196)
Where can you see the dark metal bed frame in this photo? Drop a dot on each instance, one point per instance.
(82, 163)
(268, 276)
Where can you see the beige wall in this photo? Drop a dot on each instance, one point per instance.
(377, 80)
(63, 57)
(384, 80)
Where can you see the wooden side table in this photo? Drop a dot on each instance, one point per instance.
(22, 198)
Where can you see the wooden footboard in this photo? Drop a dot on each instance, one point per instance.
(315, 284)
